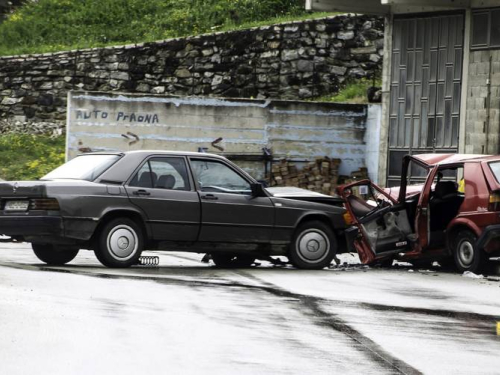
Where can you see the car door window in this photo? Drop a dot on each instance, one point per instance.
(162, 173)
(385, 225)
(216, 177)
(143, 178)
(446, 198)
(363, 199)
(495, 168)
(172, 173)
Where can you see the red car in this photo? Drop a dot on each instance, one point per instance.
(451, 214)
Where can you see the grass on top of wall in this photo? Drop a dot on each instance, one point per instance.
(55, 25)
(354, 92)
(29, 157)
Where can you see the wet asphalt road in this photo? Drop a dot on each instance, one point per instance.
(186, 317)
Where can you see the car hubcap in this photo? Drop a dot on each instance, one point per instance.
(122, 242)
(313, 246)
(466, 253)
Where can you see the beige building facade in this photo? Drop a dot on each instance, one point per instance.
(441, 76)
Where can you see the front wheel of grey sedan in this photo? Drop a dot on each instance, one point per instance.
(54, 255)
(120, 243)
(313, 246)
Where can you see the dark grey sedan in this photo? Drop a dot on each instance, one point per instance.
(118, 204)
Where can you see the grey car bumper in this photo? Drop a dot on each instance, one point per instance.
(31, 226)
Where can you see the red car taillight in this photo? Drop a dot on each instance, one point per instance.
(494, 203)
(47, 204)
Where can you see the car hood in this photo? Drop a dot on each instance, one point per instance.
(290, 192)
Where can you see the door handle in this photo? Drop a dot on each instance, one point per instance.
(209, 197)
(141, 192)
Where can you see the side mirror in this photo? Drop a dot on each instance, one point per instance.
(258, 190)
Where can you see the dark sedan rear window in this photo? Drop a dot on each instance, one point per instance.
(84, 167)
(495, 168)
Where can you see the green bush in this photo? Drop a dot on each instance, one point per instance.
(50, 25)
(29, 157)
(354, 92)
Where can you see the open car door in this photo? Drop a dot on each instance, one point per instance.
(381, 225)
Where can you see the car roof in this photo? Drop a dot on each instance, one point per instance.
(448, 159)
(129, 161)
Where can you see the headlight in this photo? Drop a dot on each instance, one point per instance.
(348, 219)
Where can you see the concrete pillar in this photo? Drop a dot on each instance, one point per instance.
(386, 101)
(465, 83)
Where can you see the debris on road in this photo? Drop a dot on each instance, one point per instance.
(472, 275)
(493, 278)
(348, 267)
(148, 261)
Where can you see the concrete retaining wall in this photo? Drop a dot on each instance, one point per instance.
(239, 129)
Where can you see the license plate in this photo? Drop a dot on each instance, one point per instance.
(16, 205)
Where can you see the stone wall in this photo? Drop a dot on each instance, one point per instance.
(4, 8)
(297, 60)
(7, 6)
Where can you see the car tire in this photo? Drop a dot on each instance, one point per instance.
(54, 255)
(466, 255)
(232, 260)
(120, 243)
(313, 246)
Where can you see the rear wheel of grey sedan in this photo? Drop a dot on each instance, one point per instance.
(313, 246)
(466, 255)
(54, 255)
(120, 243)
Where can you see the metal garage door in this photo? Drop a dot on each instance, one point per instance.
(426, 81)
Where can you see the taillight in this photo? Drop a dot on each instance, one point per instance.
(46, 204)
(494, 204)
(348, 219)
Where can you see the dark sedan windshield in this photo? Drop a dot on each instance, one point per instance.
(84, 167)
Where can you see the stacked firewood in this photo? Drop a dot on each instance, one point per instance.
(361, 174)
(320, 175)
